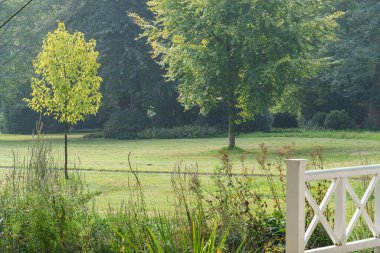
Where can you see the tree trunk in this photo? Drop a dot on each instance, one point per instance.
(374, 102)
(66, 173)
(231, 126)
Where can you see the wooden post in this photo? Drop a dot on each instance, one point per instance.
(340, 222)
(377, 212)
(295, 205)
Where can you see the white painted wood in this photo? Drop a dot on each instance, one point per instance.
(360, 207)
(296, 191)
(328, 249)
(340, 213)
(321, 216)
(295, 205)
(350, 246)
(377, 211)
(322, 207)
(363, 244)
(342, 172)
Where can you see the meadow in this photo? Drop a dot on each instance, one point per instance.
(107, 169)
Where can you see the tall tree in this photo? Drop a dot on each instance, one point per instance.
(352, 82)
(67, 83)
(357, 74)
(133, 83)
(242, 52)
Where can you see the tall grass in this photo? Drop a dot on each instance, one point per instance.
(39, 209)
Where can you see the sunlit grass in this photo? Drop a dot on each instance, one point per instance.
(163, 155)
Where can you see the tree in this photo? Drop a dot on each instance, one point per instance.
(242, 52)
(129, 92)
(352, 83)
(67, 83)
(20, 42)
(357, 74)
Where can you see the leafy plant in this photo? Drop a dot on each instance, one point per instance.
(339, 119)
(40, 210)
(67, 83)
(319, 118)
(228, 51)
(285, 120)
(186, 131)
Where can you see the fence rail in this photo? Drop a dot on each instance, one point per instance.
(297, 193)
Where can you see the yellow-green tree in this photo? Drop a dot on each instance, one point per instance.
(67, 84)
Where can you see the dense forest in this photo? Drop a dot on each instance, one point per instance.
(346, 94)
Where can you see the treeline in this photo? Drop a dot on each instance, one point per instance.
(136, 97)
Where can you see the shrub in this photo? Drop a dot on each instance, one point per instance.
(237, 203)
(285, 120)
(338, 120)
(40, 210)
(261, 123)
(319, 118)
(93, 135)
(125, 124)
(187, 131)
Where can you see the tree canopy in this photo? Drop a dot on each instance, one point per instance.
(67, 83)
(242, 52)
(133, 84)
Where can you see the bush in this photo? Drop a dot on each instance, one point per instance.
(186, 131)
(40, 210)
(285, 120)
(93, 136)
(338, 120)
(125, 124)
(319, 118)
(262, 123)
(242, 211)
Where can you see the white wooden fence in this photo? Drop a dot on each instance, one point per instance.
(297, 193)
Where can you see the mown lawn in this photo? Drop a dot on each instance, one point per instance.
(340, 149)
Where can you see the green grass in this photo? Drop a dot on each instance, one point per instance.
(340, 149)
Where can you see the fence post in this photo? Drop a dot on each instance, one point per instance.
(340, 222)
(295, 205)
(377, 212)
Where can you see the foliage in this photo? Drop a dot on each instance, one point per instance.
(262, 122)
(348, 84)
(67, 84)
(351, 82)
(240, 52)
(285, 120)
(186, 131)
(93, 135)
(125, 124)
(319, 119)
(338, 120)
(199, 244)
(232, 213)
(20, 41)
(40, 211)
(236, 201)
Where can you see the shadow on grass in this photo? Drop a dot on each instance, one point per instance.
(234, 151)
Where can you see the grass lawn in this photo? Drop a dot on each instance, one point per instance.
(340, 149)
